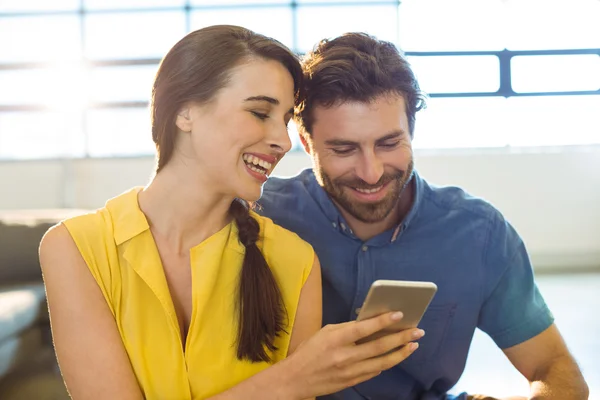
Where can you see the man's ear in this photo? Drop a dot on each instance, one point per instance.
(184, 119)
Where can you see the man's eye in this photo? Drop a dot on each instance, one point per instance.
(390, 145)
(342, 152)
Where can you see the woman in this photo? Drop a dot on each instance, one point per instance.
(177, 290)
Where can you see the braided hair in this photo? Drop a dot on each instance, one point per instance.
(261, 308)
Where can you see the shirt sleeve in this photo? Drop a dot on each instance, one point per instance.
(513, 309)
(89, 234)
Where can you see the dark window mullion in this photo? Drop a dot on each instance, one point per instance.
(505, 89)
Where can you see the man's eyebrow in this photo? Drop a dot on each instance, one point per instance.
(340, 142)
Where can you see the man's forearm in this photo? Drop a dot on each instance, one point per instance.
(560, 380)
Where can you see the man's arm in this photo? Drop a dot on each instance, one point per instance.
(549, 367)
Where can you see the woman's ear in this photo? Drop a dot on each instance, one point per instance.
(305, 144)
(184, 119)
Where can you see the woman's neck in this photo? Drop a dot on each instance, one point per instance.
(182, 209)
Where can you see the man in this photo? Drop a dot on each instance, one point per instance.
(369, 215)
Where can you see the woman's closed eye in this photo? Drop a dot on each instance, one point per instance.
(259, 115)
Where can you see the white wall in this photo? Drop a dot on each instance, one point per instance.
(552, 195)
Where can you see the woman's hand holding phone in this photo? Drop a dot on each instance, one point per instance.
(331, 360)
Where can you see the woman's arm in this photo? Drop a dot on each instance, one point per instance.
(310, 308)
(309, 314)
(92, 359)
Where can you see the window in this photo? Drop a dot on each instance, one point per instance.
(544, 25)
(562, 73)
(552, 120)
(94, 5)
(318, 22)
(270, 21)
(457, 74)
(132, 36)
(130, 83)
(40, 39)
(40, 134)
(119, 132)
(458, 25)
(7, 7)
(504, 72)
(462, 122)
(465, 122)
(76, 75)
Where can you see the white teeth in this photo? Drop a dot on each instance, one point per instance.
(250, 159)
(368, 191)
(260, 171)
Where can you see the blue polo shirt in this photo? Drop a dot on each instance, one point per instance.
(459, 242)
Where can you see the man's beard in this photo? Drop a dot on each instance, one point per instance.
(367, 212)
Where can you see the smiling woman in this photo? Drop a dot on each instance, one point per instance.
(246, 121)
(219, 130)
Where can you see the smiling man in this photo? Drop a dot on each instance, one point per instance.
(370, 215)
(366, 170)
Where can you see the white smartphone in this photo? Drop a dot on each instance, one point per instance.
(410, 297)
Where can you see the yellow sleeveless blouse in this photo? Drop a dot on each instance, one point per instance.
(120, 252)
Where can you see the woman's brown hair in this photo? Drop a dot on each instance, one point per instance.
(194, 70)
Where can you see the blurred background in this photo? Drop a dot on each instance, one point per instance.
(513, 117)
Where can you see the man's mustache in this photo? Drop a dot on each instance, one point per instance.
(357, 183)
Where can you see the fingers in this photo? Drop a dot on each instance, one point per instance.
(355, 380)
(355, 330)
(386, 344)
(382, 363)
(372, 357)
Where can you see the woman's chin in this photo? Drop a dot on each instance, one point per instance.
(250, 195)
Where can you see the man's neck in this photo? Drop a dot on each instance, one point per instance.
(367, 230)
